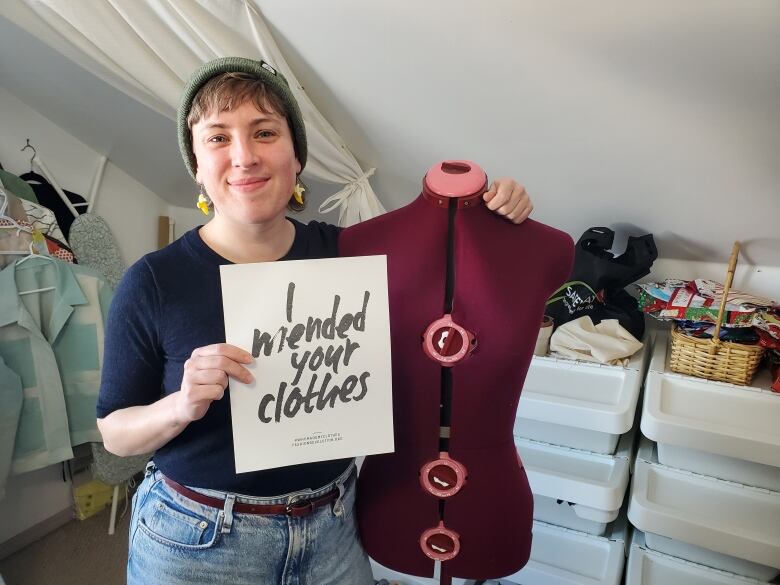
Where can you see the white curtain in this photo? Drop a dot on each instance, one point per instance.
(148, 49)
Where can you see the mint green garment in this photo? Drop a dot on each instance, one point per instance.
(54, 341)
(11, 401)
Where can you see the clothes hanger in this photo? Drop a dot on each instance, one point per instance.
(47, 176)
(32, 254)
(18, 228)
(25, 147)
(8, 219)
(31, 175)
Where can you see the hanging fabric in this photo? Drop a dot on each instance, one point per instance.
(25, 228)
(17, 186)
(48, 197)
(43, 219)
(148, 50)
(11, 207)
(11, 399)
(40, 217)
(15, 232)
(15, 244)
(52, 317)
(92, 240)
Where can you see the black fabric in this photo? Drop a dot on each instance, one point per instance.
(604, 271)
(596, 285)
(167, 304)
(48, 197)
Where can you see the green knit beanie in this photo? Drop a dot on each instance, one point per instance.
(269, 75)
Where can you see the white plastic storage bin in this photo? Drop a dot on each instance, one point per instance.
(714, 428)
(587, 405)
(573, 516)
(566, 557)
(730, 468)
(649, 567)
(590, 486)
(723, 516)
(709, 558)
(583, 439)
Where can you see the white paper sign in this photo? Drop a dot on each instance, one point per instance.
(320, 334)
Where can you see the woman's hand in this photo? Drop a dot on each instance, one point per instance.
(508, 198)
(206, 376)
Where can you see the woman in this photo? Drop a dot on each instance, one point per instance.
(166, 366)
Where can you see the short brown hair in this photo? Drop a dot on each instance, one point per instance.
(227, 91)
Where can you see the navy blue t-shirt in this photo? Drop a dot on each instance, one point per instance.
(167, 304)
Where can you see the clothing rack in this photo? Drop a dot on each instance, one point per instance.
(47, 173)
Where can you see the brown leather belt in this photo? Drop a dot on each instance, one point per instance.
(294, 509)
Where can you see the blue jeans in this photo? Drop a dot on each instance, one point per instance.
(174, 540)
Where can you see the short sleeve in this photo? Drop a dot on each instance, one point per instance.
(132, 355)
(322, 240)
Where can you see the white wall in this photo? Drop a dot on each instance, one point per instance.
(662, 116)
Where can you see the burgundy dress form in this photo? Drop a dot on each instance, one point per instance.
(500, 276)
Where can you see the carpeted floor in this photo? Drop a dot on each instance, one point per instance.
(79, 553)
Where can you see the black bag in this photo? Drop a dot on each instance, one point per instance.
(596, 285)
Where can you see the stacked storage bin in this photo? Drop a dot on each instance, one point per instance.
(575, 432)
(706, 488)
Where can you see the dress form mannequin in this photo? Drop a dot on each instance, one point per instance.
(456, 397)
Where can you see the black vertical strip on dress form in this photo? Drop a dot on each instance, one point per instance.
(449, 294)
(446, 373)
(449, 285)
(446, 406)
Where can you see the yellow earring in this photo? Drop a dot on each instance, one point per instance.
(298, 193)
(203, 204)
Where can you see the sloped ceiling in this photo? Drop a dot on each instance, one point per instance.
(645, 118)
(138, 140)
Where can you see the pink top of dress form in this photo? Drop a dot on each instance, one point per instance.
(455, 178)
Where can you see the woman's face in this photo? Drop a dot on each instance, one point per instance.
(246, 162)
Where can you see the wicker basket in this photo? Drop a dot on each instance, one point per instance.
(714, 359)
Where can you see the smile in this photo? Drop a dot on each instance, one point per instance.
(249, 183)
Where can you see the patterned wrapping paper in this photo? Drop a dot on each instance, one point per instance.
(43, 219)
(769, 322)
(709, 289)
(699, 300)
